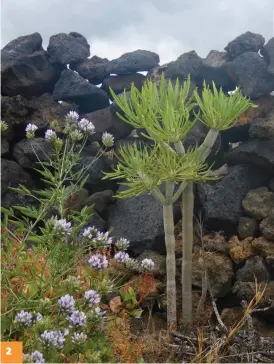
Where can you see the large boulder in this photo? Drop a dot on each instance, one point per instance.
(259, 153)
(209, 69)
(17, 112)
(247, 227)
(76, 200)
(25, 68)
(68, 48)
(155, 75)
(94, 69)
(263, 128)
(28, 152)
(21, 47)
(101, 200)
(73, 87)
(219, 270)
(31, 75)
(187, 63)
(11, 199)
(94, 167)
(213, 69)
(43, 110)
(247, 42)
(259, 203)
(136, 61)
(263, 247)
(249, 71)
(267, 226)
(107, 120)
(14, 110)
(122, 83)
(242, 130)
(268, 52)
(139, 219)
(240, 250)
(254, 268)
(5, 147)
(222, 200)
(12, 175)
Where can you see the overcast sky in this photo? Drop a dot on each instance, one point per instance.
(113, 27)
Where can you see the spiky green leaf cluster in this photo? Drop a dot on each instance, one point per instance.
(219, 111)
(146, 168)
(165, 111)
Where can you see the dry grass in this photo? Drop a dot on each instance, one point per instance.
(126, 348)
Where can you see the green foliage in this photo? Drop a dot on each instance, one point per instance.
(164, 112)
(147, 168)
(219, 111)
(44, 257)
(167, 114)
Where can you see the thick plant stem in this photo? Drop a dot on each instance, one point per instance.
(188, 207)
(187, 228)
(205, 148)
(170, 258)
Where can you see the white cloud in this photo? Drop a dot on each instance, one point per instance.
(167, 27)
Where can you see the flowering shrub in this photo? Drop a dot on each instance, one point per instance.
(53, 292)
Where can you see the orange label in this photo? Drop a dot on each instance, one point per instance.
(11, 352)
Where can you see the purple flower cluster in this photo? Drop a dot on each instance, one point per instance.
(147, 265)
(90, 232)
(121, 257)
(53, 339)
(31, 128)
(50, 135)
(86, 126)
(97, 240)
(92, 298)
(34, 357)
(107, 139)
(24, 318)
(72, 116)
(38, 317)
(27, 318)
(77, 319)
(66, 304)
(78, 338)
(132, 264)
(122, 244)
(98, 261)
(62, 226)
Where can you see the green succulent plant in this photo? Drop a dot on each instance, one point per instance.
(167, 113)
